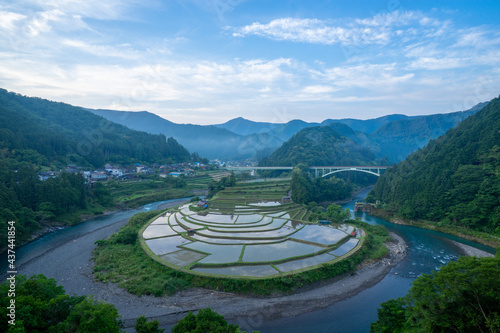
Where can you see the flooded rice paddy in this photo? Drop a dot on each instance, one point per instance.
(249, 241)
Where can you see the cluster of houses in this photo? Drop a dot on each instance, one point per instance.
(129, 171)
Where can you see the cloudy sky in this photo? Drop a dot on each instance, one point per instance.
(208, 61)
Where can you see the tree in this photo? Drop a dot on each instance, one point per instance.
(337, 214)
(305, 190)
(462, 297)
(102, 195)
(91, 316)
(42, 306)
(391, 316)
(301, 187)
(206, 321)
(142, 325)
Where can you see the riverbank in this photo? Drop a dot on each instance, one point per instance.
(471, 235)
(472, 251)
(353, 195)
(71, 265)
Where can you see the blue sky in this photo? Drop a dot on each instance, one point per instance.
(208, 61)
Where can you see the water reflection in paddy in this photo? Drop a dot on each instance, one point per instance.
(262, 226)
(278, 233)
(185, 210)
(283, 215)
(165, 245)
(178, 229)
(160, 230)
(254, 270)
(303, 263)
(278, 251)
(161, 220)
(216, 218)
(251, 218)
(218, 253)
(191, 225)
(346, 247)
(214, 226)
(182, 258)
(320, 234)
(223, 238)
(266, 203)
(212, 240)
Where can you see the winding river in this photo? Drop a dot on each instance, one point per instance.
(54, 239)
(427, 251)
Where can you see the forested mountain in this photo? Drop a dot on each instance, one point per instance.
(369, 125)
(286, 130)
(42, 132)
(393, 136)
(244, 126)
(318, 146)
(209, 141)
(455, 178)
(399, 138)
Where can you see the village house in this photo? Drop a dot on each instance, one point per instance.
(98, 176)
(47, 174)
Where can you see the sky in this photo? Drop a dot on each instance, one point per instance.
(208, 61)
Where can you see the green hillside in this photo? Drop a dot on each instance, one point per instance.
(42, 132)
(455, 179)
(319, 145)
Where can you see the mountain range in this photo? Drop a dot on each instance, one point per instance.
(453, 179)
(392, 136)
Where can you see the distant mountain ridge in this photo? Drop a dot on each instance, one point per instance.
(209, 141)
(392, 136)
(285, 131)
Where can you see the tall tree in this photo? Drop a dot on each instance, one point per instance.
(463, 296)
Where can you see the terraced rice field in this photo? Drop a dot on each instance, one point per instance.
(249, 239)
(246, 232)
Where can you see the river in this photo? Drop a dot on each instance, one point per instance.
(54, 239)
(426, 252)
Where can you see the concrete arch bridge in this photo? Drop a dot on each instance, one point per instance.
(319, 171)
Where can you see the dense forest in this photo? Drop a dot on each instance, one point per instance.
(30, 202)
(433, 304)
(306, 190)
(42, 132)
(454, 179)
(41, 305)
(319, 146)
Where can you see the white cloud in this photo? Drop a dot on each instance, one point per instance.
(96, 9)
(372, 76)
(477, 38)
(379, 29)
(319, 89)
(42, 21)
(8, 20)
(311, 31)
(431, 63)
(118, 51)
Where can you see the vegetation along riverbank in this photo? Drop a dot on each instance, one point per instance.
(142, 271)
